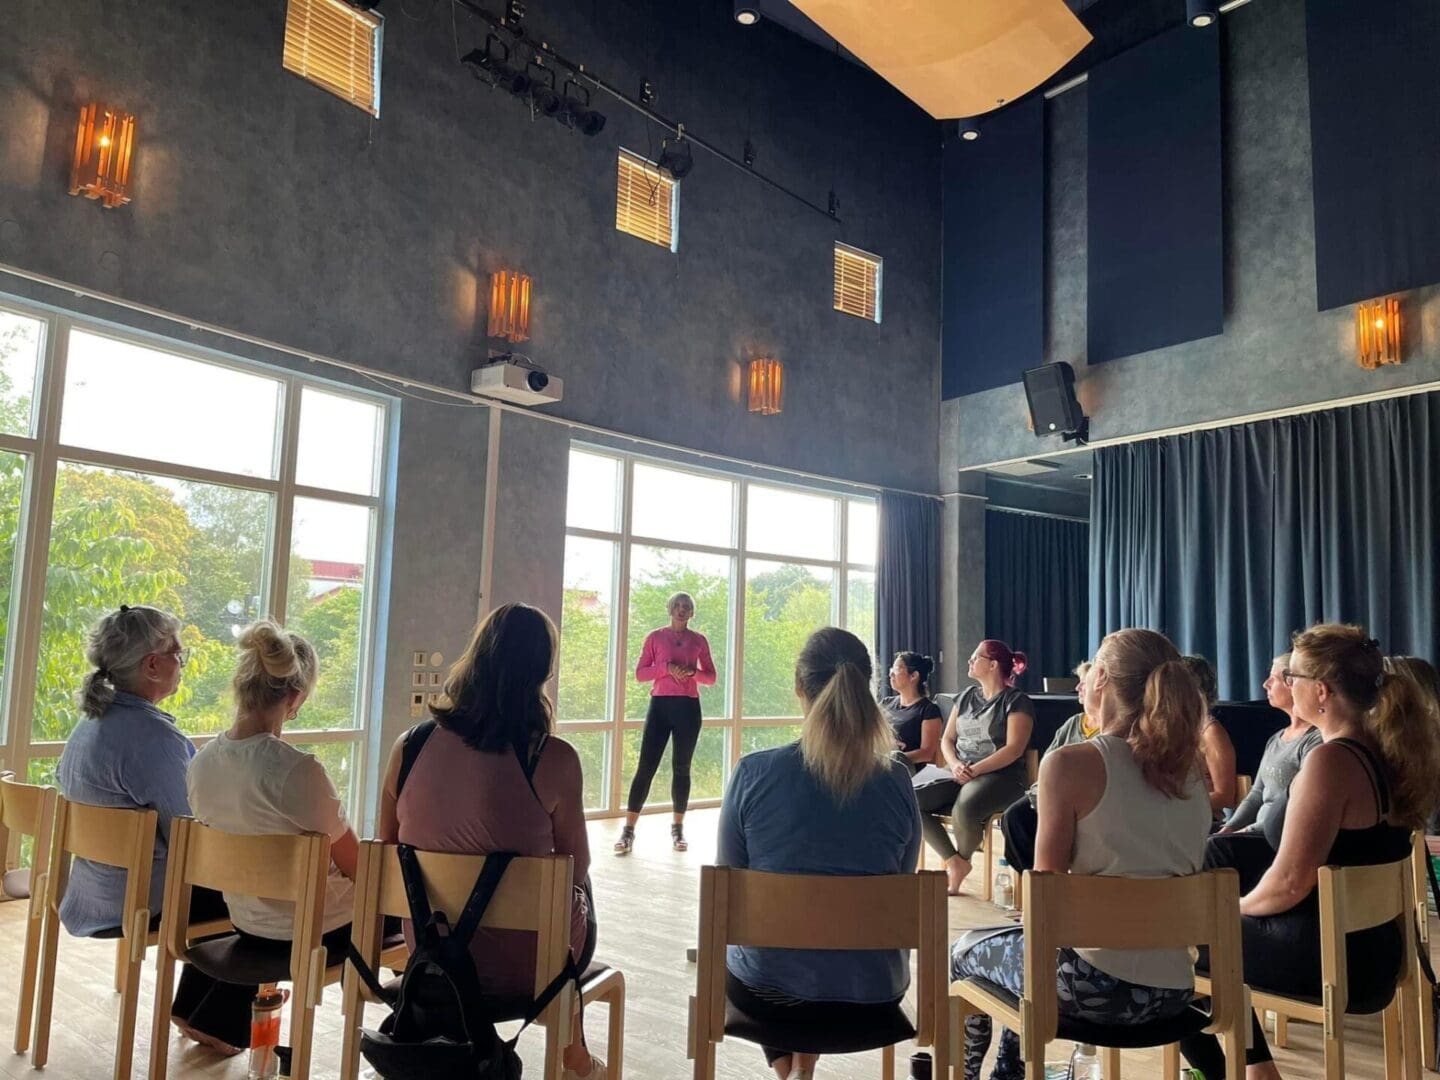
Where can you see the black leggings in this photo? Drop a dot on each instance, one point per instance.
(1281, 953)
(668, 715)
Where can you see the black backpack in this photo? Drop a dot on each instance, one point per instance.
(438, 1028)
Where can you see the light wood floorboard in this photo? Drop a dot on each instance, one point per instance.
(647, 910)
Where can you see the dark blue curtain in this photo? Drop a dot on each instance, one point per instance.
(1037, 590)
(1229, 540)
(907, 579)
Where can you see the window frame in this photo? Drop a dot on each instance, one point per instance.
(736, 721)
(45, 455)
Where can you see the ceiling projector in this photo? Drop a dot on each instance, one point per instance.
(510, 378)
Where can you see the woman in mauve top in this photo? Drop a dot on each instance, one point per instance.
(676, 660)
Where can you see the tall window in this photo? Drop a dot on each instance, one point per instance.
(766, 564)
(134, 474)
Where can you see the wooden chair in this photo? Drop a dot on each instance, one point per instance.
(1419, 856)
(535, 895)
(28, 810)
(293, 868)
(1356, 898)
(765, 910)
(1243, 784)
(1069, 910)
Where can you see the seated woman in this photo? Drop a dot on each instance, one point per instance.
(1354, 802)
(1426, 679)
(1284, 753)
(490, 777)
(1018, 824)
(1216, 749)
(1128, 803)
(834, 802)
(914, 718)
(126, 752)
(984, 748)
(250, 782)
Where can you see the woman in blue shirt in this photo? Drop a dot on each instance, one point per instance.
(834, 802)
(126, 752)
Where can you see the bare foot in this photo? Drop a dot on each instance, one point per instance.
(956, 871)
(206, 1040)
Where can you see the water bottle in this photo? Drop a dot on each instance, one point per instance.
(1005, 887)
(920, 1066)
(1085, 1063)
(265, 1035)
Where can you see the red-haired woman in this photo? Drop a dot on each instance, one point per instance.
(984, 746)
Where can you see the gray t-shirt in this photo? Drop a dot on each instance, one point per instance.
(980, 722)
(1278, 766)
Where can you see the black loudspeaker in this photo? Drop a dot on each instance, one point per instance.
(1054, 409)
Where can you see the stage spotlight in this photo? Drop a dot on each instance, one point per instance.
(543, 94)
(1201, 13)
(675, 158)
(492, 63)
(578, 112)
(969, 128)
(747, 12)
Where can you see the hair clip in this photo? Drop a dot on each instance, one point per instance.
(1372, 643)
(124, 608)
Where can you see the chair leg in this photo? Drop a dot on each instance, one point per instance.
(352, 1012)
(122, 964)
(887, 1063)
(1170, 1061)
(40, 1054)
(129, 1006)
(1412, 1061)
(1335, 1051)
(1110, 1062)
(1235, 1046)
(615, 1003)
(705, 1061)
(1394, 1050)
(1426, 1029)
(164, 1000)
(29, 970)
(987, 845)
(1282, 1030)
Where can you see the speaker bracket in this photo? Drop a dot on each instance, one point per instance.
(1081, 435)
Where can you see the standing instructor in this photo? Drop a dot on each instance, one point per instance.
(676, 661)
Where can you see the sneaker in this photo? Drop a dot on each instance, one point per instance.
(626, 841)
(597, 1071)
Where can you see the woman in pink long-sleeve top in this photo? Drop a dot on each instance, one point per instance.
(676, 661)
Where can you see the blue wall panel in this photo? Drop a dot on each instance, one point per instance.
(994, 252)
(1156, 221)
(1375, 138)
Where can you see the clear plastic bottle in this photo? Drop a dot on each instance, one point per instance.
(1005, 886)
(265, 1035)
(1085, 1063)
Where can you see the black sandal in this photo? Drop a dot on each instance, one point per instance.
(626, 841)
(677, 838)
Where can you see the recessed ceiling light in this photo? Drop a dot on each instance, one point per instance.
(746, 14)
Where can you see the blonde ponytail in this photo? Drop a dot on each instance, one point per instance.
(1155, 690)
(1403, 723)
(844, 738)
(274, 663)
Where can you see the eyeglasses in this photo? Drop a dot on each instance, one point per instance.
(181, 655)
(1288, 677)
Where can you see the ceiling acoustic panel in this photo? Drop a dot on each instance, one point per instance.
(955, 58)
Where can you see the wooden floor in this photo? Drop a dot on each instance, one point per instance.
(647, 910)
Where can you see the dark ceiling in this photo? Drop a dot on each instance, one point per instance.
(1117, 25)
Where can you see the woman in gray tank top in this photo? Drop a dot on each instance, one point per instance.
(1284, 752)
(1128, 803)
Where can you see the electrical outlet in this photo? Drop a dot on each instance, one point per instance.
(417, 678)
(417, 705)
(436, 679)
(418, 659)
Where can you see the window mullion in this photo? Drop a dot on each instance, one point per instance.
(621, 629)
(281, 540)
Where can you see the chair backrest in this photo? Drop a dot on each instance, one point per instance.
(1066, 684)
(1356, 898)
(1032, 766)
(535, 894)
(27, 810)
(946, 703)
(1077, 911)
(115, 836)
(1243, 784)
(768, 910)
(290, 867)
(1420, 883)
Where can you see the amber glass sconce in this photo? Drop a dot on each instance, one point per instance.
(104, 144)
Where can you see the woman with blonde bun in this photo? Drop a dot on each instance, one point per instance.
(250, 782)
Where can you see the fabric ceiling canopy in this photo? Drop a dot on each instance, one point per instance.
(955, 58)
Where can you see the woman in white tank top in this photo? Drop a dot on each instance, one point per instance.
(1128, 803)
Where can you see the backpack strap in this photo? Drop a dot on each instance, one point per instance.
(367, 973)
(415, 895)
(415, 740)
(1420, 947)
(494, 869)
(530, 765)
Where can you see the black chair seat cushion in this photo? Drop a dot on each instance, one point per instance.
(499, 1010)
(247, 960)
(1120, 1036)
(884, 1025)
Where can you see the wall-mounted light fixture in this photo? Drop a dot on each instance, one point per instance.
(104, 144)
(767, 386)
(509, 305)
(1377, 332)
(1202, 13)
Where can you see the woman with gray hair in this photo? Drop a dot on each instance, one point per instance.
(676, 661)
(126, 752)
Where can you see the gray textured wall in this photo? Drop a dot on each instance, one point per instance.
(264, 204)
(1277, 352)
